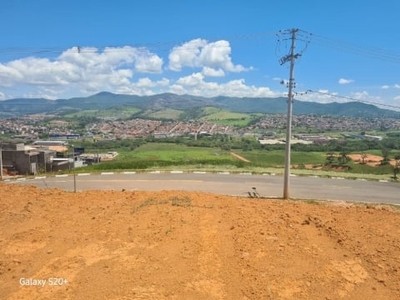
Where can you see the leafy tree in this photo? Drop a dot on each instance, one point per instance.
(330, 158)
(343, 159)
(385, 154)
(363, 157)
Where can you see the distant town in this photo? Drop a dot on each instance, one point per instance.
(41, 126)
(34, 144)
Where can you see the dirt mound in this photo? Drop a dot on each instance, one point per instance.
(180, 245)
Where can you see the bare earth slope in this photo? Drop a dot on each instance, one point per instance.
(180, 245)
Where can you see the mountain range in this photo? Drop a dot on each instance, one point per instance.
(105, 100)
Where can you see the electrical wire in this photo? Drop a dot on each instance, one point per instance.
(301, 35)
(351, 99)
(128, 47)
(349, 47)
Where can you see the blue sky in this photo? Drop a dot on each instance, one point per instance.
(64, 49)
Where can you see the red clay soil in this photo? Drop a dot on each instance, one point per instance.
(369, 159)
(181, 245)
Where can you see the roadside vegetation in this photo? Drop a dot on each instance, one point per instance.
(214, 153)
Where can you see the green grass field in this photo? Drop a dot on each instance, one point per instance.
(170, 156)
(165, 155)
(185, 155)
(172, 152)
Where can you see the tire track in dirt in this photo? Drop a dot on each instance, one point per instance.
(215, 257)
(208, 281)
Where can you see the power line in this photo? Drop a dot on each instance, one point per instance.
(302, 36)
(349, 47)
(138, 47)
(351, 99)
(390, 106)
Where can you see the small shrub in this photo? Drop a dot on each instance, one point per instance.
(178, 201)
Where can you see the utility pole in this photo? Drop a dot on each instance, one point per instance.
(291, 57)
(1, 163)
(73, 167)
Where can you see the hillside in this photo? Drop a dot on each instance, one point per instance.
(159, 102)
(181, 245)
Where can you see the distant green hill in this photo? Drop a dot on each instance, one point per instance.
(122, 112)
(189, 105)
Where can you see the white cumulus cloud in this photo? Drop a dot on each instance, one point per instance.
(199, 53)
(195, 84)
(345, 81)
(387, 87)
(127, 70)
(210, 72)
(321, 96)
(87, 70)
(360, 95)
(186, 55)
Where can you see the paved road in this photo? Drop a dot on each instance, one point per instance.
(230, 184)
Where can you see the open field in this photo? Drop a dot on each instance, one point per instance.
(181, 245)
(169, 156)
(160, 155)
(173, 152)
(220, 116)
(186, 154)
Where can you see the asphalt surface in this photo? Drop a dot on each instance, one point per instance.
(267, 186)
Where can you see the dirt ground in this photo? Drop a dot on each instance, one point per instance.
(181, 245)
(369, 159)
(239, 157)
